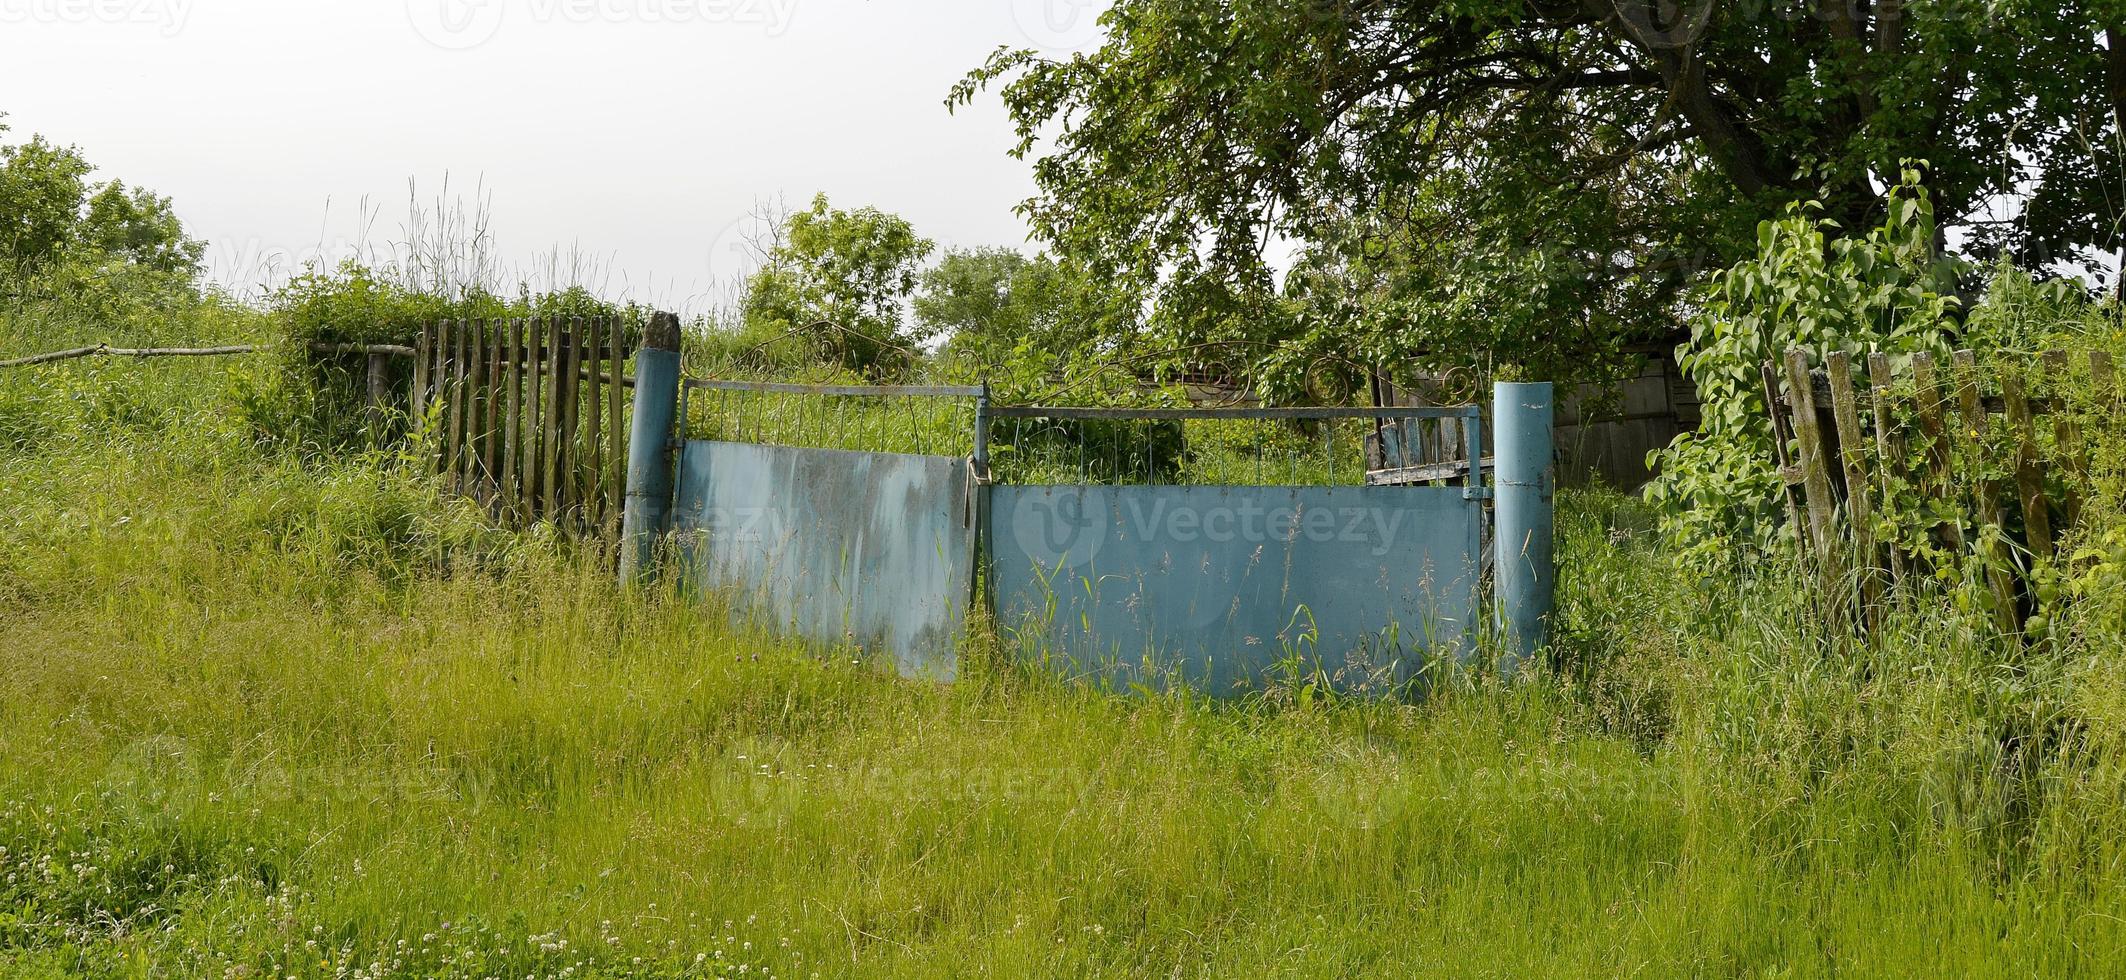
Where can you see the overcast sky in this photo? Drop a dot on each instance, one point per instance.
(641, 132)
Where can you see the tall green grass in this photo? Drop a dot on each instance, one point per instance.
(263, 715)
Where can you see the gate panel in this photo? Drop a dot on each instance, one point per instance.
(871, 549)
(1214, 586)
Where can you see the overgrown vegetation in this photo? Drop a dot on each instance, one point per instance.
(285, 717)
(274, 704)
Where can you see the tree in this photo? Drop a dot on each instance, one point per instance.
(841, 280)
(139, 226)
(50, 212)
(41, 192)
(994, 303)
(1572, 163)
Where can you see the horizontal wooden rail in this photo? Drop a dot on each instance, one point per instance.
(386, 350)
(106, 350)
(1453, 469)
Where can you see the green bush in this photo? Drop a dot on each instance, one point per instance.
(1888, 291)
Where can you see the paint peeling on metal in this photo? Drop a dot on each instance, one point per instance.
(869, 549)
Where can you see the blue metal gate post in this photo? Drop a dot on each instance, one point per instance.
(650, 444)
(1524, 573)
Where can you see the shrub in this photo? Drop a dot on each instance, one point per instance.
(1889, 290)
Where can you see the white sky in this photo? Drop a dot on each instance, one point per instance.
(640, 132)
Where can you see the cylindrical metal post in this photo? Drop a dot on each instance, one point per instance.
(1524, 574)
(649, 455)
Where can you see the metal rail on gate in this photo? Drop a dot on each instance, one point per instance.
(1471, 417)
(978, 393)
(785, 388)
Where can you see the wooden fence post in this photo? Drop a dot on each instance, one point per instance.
(1815, 471)
(376, 392)
(1852, 452)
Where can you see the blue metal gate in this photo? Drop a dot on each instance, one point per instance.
(1213, 585)
(872, 550)
(1217, 586)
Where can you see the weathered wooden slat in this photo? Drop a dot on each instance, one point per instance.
(476, 418)
(441, 392)
(424, 349)
(550, 425)
(469, 441)
(1985, 493)
(572, 419)
(454, 457)
(1403, 476)
(512, 416)
(1789, 474)
(1815, 469)
(528, 449)
(1889, 448)
(593, 427)
(491, 422)
(427, 379)
(491, 409)
(1852, 452)
(2029, 474)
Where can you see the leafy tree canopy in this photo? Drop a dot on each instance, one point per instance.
(996, 304)
(1532, 177)
(841, 280)
(50, 212)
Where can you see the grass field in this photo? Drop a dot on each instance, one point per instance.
(268, 716)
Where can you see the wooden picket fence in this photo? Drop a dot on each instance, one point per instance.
(530, 416)
(1844, 451)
